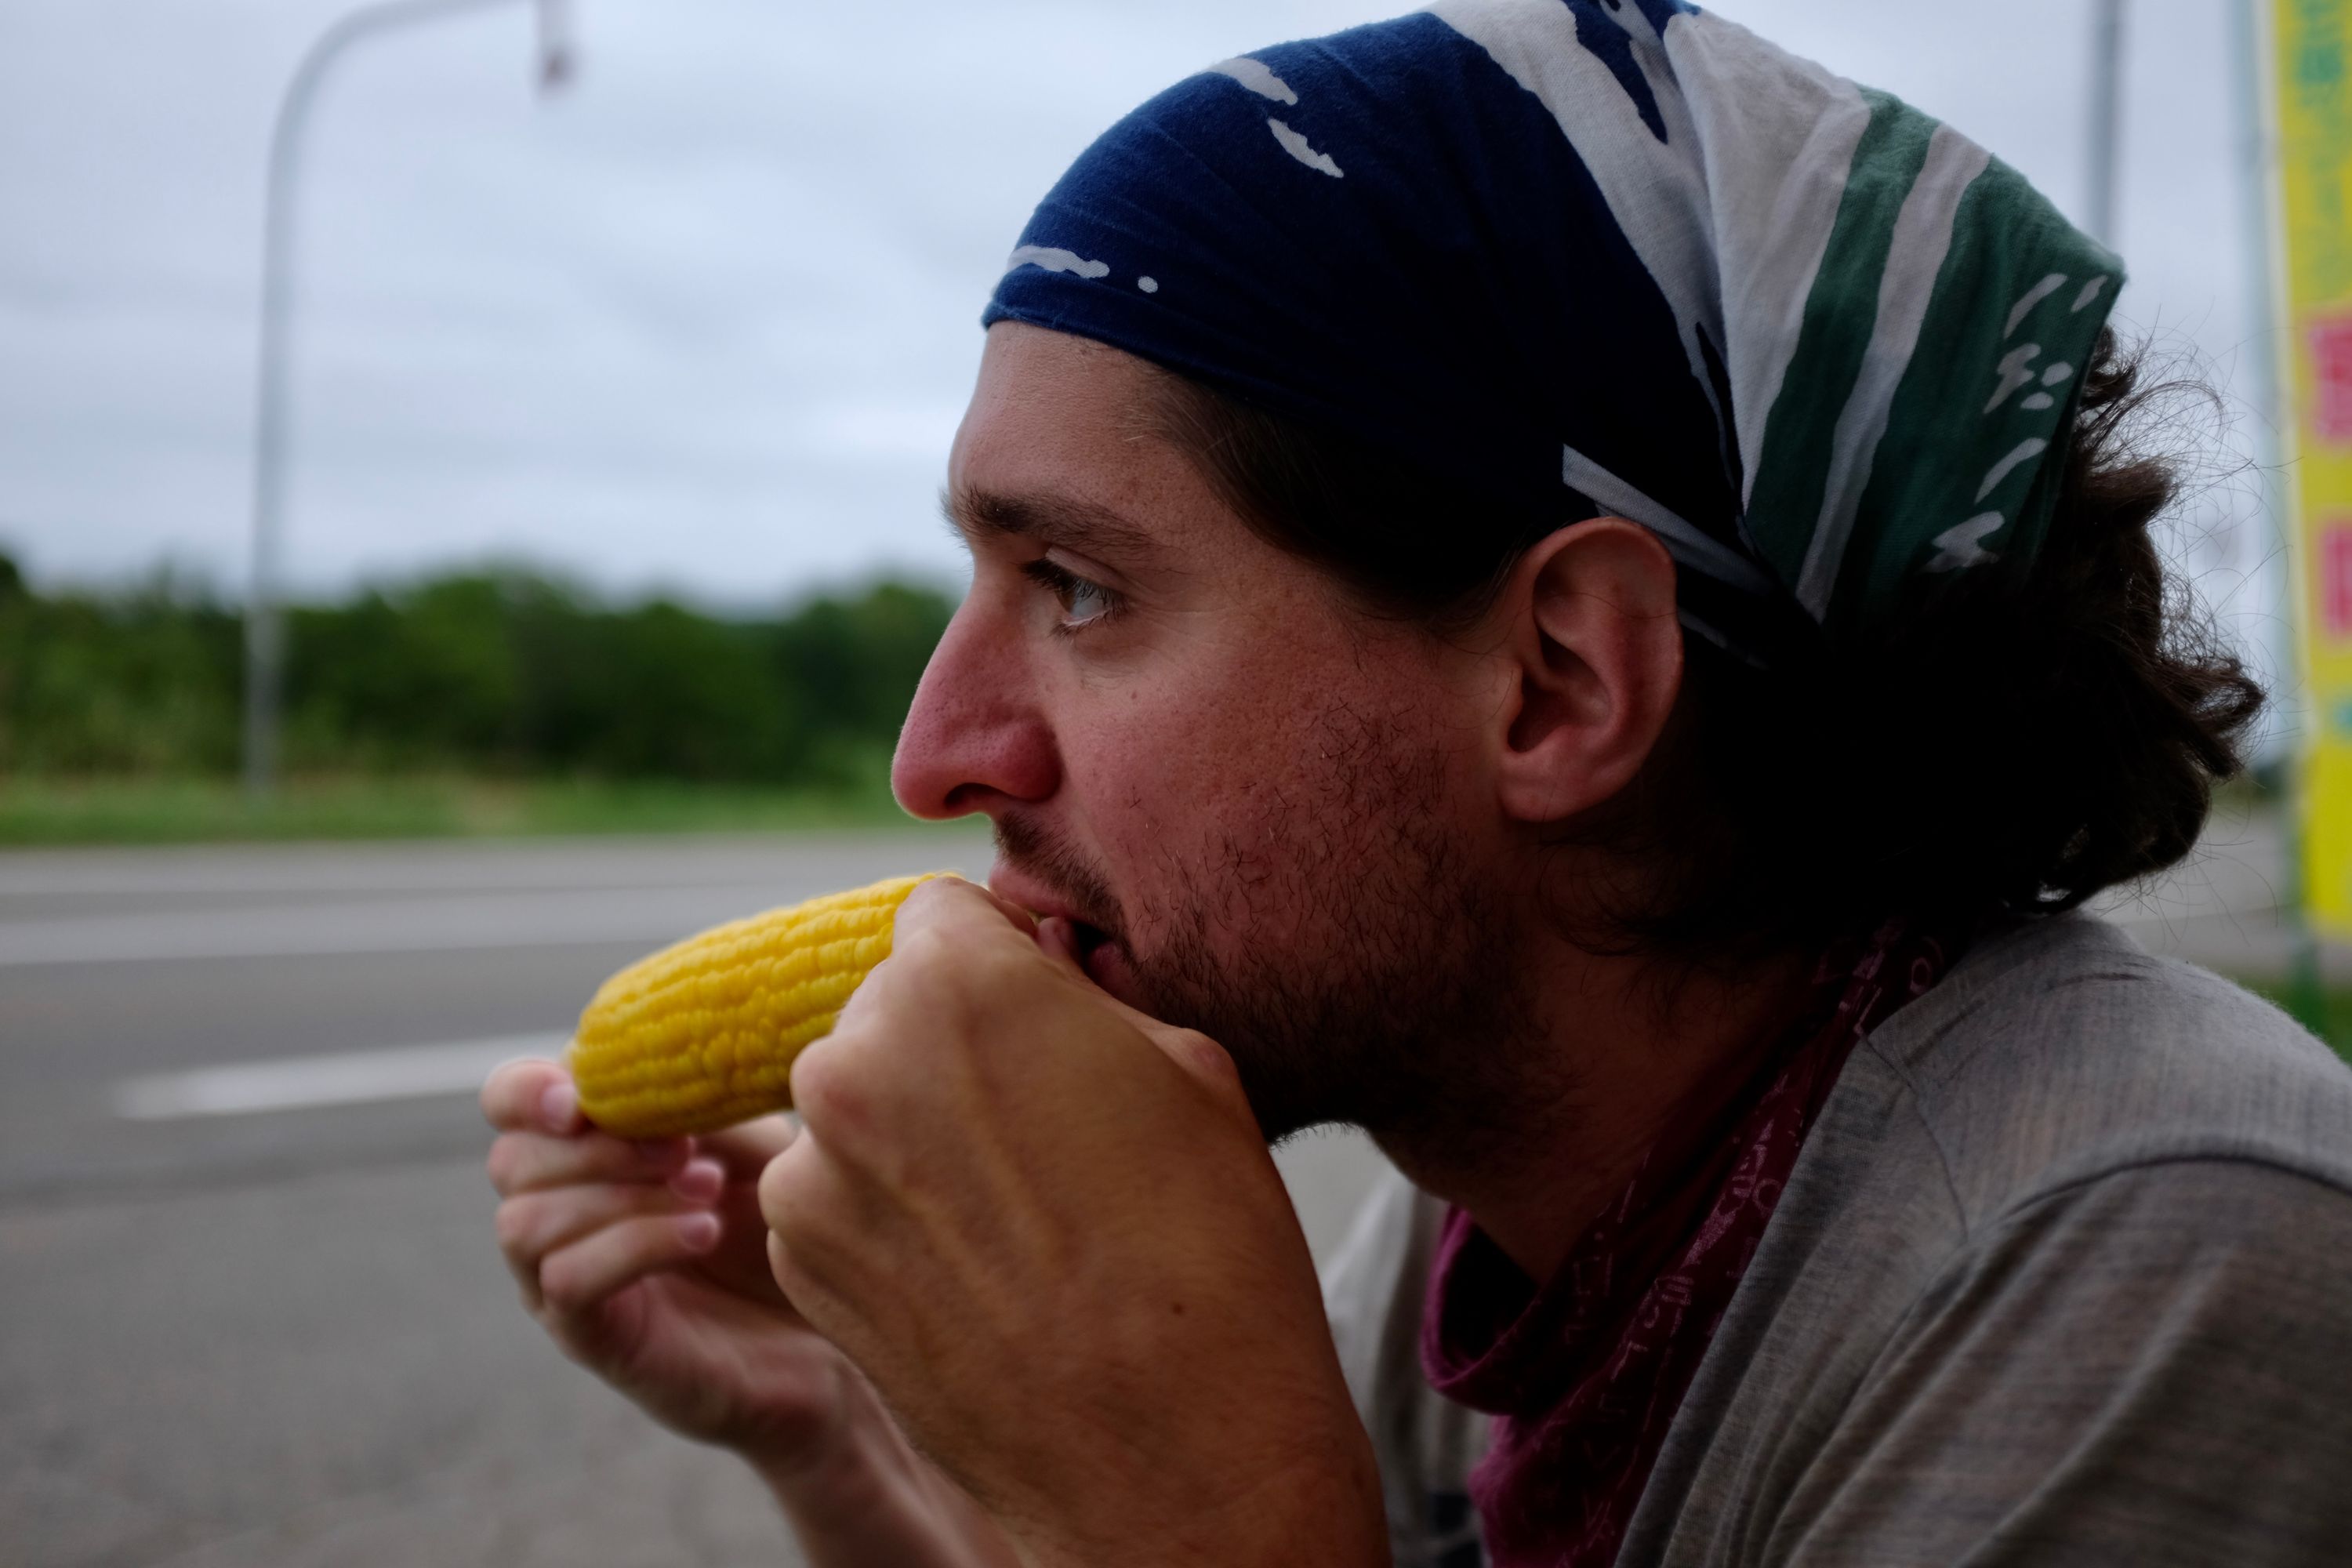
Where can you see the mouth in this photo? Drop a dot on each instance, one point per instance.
(1090, 943)
(1095, 943)
(1100, 956)
(1105, 963)
(1088, 937)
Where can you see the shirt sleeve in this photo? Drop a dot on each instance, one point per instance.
(2153, 1367)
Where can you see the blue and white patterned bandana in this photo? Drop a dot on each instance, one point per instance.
(1607, 256)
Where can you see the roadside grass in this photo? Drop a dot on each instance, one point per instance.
(46, 811)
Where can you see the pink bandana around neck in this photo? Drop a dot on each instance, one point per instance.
(1585, 1374)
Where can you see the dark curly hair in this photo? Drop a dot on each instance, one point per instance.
(2011, 746)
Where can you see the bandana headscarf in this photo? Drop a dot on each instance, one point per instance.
(1587, 257)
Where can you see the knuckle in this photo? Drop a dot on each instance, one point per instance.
(1204, 1053)
(783, 1264)
(798, 1271)
(1207, 1063)
(509, 1088)
(926, 899)
(811, 1077)
(495, 1093)
(779, 1196)
(919, 951)
(563, 1286)
(825, 1087)
(504, 1162)
(515, 1224)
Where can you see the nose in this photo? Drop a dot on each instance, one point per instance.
(974, 739)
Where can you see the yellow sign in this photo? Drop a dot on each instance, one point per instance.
(2311, 53)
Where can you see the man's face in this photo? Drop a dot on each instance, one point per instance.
(1267, 811)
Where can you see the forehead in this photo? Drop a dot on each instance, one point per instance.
(1061, 444)
(1065, 444)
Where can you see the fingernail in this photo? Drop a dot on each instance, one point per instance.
(700, 1232)
(699, 1180)
(557, 1106)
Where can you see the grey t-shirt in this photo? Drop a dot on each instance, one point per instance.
(2062, 1275)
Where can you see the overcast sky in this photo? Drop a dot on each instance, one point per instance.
(707, 320)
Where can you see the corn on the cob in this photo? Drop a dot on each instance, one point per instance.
(702, 1035)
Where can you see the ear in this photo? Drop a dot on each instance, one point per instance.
(1591, 646)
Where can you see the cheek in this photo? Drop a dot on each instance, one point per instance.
(1262, 820)
(1228, 786)
(1176, 757)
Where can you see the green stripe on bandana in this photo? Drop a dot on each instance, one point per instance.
(2014, 316)
(1785, 498)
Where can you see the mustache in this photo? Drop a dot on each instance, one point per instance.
(1037, 852)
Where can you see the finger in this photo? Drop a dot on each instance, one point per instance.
(802, 1196)
(791, 1205)
(744, 1151)
(531, 1092)
(740, 1260)
(1021, 919)
(1058, 938)
(963, 918)
(1202, 1059)
(534, 1161)
(964, 911)
(536, 1224)
(574, 1280)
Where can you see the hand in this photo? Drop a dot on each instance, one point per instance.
(647, 1262)
(1048, 1230)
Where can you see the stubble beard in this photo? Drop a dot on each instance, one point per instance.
(1395, 999)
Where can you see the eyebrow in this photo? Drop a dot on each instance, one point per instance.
(1045, 519)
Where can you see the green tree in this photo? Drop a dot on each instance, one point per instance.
(501, 671)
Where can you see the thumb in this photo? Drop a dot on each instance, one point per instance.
(1058, 938)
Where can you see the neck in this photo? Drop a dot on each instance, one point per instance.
(1616, 1057)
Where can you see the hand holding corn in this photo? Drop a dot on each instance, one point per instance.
(702, 1035)
(647, 1262)
(1046, 1227)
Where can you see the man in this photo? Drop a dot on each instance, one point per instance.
(1559, 585)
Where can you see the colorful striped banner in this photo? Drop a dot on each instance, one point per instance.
(2313, 99)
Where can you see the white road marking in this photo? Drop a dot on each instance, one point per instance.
(298, 1083)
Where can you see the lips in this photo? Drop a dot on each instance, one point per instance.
(1099, 952)
(1045, 904)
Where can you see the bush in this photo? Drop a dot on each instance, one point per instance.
(505, 673)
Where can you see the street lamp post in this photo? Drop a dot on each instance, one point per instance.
(264, 624)
(2107, 116)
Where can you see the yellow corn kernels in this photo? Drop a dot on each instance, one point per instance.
(702, 1035)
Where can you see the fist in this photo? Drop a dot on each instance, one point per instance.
(1046, 1228)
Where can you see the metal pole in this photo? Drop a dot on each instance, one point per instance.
(265, 637)
(2107, 116)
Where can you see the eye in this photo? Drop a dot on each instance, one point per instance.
(1083, 602)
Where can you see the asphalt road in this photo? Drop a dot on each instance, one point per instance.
(252, 1313)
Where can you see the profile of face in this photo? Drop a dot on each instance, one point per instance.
(1274, 817)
